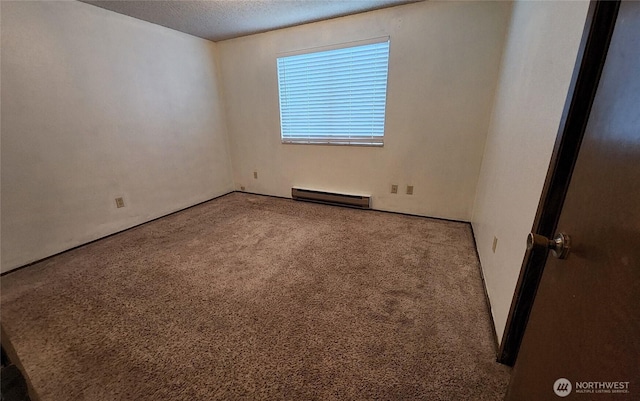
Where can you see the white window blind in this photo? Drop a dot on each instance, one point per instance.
(335, 96)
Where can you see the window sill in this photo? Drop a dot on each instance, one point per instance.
(337, 143)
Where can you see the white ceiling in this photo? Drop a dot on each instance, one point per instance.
(225, 19)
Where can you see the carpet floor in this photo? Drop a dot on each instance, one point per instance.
(253, 297)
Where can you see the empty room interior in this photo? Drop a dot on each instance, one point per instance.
(272, 199)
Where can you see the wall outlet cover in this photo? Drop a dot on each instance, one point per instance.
(394, 189)
(409, 189)
(255, 175)
(119, 202)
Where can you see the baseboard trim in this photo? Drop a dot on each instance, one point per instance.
(372, 209)
(486, 296)
(112, 234)
(250, 193)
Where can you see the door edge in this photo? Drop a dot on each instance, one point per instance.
(596, 36)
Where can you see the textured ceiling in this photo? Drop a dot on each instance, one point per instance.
(225, 19)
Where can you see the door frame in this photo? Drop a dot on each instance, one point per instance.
(592, 53)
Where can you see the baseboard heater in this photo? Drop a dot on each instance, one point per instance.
(331, 198)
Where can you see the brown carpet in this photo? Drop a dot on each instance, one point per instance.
(252, 297)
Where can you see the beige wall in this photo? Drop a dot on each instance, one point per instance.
(443, 68)
(97, 105)
(536, 71)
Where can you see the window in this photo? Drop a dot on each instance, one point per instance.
(335, 96)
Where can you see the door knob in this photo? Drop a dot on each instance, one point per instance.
(559, 246)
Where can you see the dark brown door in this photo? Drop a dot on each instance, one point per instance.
(584, 326)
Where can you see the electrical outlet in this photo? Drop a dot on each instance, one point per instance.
(394, 189)
(409, 189)
(495, 244)
(242, 188)
(119, 203)
(255, 175)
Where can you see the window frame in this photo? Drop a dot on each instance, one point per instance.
(333, 139)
